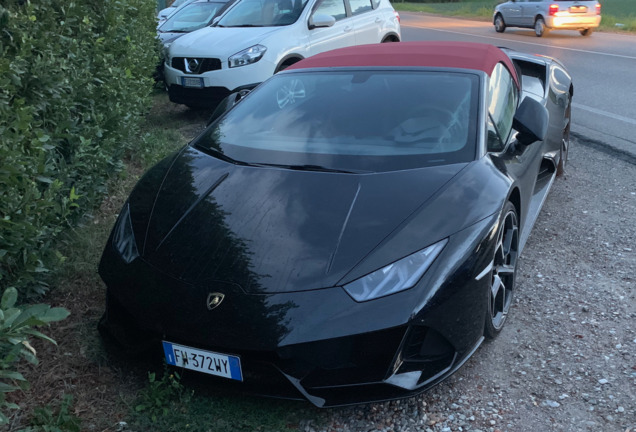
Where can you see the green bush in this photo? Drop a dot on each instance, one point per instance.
(75, 79)
(16, 328)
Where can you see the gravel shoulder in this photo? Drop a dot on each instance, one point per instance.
(566, 360)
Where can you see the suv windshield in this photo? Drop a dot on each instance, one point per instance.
(352, 120)
(191, 17)
(263, 13)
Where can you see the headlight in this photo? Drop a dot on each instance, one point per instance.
(247, 56)
(124, 238)
(399, 276)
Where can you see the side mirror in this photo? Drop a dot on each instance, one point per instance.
(226, 104)
(321, 20)
(531, 121)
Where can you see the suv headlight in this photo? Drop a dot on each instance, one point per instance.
(396, 277)
(123, 236)
(247, 56)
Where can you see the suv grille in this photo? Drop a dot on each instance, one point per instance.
(196, 65)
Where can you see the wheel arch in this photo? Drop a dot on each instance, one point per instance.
(391, 37)
(537, 16)
(288, 60)
(498, 14)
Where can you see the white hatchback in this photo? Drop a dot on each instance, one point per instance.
(256, 38)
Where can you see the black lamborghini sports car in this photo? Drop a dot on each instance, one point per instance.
(349, 231)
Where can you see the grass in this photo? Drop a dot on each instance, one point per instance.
(105, 388)
(621, 12)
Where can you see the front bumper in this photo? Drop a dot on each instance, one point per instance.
(319, 345)
(216, 84)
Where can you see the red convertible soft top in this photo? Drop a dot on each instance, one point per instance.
(463, 55)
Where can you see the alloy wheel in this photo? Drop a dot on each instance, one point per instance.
(503, 271)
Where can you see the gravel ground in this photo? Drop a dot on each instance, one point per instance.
(566, 360)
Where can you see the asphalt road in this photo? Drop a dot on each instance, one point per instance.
(603, 67)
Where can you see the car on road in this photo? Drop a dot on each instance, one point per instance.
(350, 230)
(256, 38)
(543, 16)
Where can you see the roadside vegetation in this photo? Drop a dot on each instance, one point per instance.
(618, 15)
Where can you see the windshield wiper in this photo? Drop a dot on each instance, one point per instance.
(307, 167)
(244, 25)
(222, 156)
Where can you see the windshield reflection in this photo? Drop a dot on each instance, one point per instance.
(352, 121)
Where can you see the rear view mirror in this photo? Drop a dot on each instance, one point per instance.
(226, 104)
(531, 121)
(321, 20)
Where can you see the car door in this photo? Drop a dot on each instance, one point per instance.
(367, 22)
(521, 161)
(340, 35)
(511, 12)
(529, 9)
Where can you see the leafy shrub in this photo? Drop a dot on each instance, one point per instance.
(75, 79)
(61, 419)
(158, 398)
(16, 327)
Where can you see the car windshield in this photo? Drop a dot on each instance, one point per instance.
(191, 17)
(369, 121)
(263, 13)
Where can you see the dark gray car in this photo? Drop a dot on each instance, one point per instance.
(542, 16)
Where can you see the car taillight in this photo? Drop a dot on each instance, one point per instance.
(598, 8)
(554, 8)
(397, 15)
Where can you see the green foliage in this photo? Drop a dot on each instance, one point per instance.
(17, 326)
(164, 405)
(156, 400)
(48, 419)
(75, 79)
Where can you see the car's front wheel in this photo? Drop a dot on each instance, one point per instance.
(539, 27)
(504, 268)
(500, 25)
(586, 32)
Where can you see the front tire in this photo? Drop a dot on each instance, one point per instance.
(586, 32)
(503, 271)
(500, 25)
(539, 27)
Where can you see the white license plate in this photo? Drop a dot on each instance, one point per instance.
(192, 82)
(223, 365)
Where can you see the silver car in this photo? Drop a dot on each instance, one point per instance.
(542, 16)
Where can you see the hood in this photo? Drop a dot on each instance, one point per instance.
(273, 230)
(219, 41)
(166, 38)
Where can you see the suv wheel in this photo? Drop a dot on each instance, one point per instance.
(500, 25)
(539, 27)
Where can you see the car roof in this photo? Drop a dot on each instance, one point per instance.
(461, 55)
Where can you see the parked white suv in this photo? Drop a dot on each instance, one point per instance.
(542, 15)
(256, 38)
